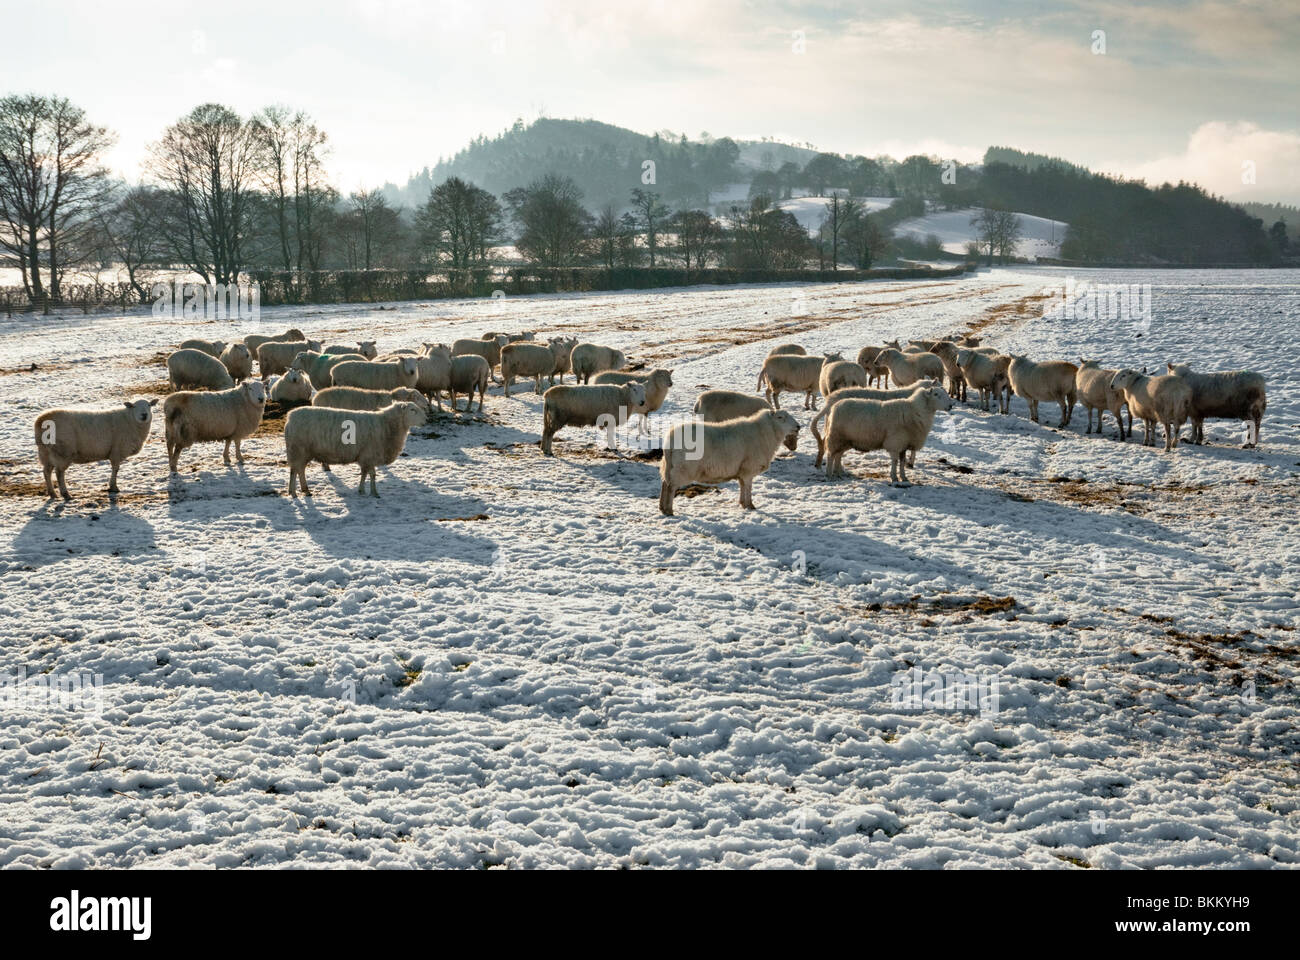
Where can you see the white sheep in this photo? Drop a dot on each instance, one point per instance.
(230, 416)
(875, 371)
(1048, 382)
(1165, 400)
(433, 371)
(1239, 395)
(354, 398)
(317, 366)
(715, 453)
(489, 350)
(376, 375)
(841, 373)
(588, 359)
(292, 389)
(238, 362)
(794, 374)
(534, 360)
(366, 348)
(983, 373)
(714, 406)
(469, 372)
(276, 356)
(567, 405)
(65, 437)
(198, 370)
(253, 341)
(907, 368)
(787, 350)
(898, 426)
(947, 352)
(212, 348)
(656, 383)
(331, 436)
(863, 393)
(1093, 384)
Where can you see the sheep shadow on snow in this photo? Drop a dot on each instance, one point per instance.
(49, 536)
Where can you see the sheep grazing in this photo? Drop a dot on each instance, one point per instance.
(433, 371)
(875, 371)
(656, 383)
(194, 369)
(365, 348)
(354, 398)
(1165, 400)
(588, 359)
(787, 350)
(376, 375)
(1092, 383)
(982, 373)
(253, 341)
(585, 406)
(1049, 382)
(714, 453)
(1231, 396)
(231, 415)
(715, 406)
(469, 372)
(841, 373)
(292, 389)
(534, 360)
(489, 350)
(238, 362)
(330, 436)
(792, 373)
(276, 356)
(212, 348)
(65, 437)
(907, 368)
(898, 426)
(863, 393)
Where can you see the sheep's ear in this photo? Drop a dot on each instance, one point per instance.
(128, 404)
(153, 402)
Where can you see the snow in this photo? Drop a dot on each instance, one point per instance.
(1040, 237)
(514, 661)
(810, 211)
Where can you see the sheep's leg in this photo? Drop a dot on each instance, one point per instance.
(63, 487)
(747, 493)
(225, 453)
(374, 490)
(1033, 410)
(239, 452)
(666, 498)
(48, 469)
(1065, 416)
(902, 471)
(361, 487)
(911, 456)
(293, 479)
(112, 478)
(546, 442)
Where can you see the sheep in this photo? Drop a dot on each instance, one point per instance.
(292, 389)
(1003, 362)
(1166, 399)
(715, 453)
(563, 347)
(898, 426)
(194, 368)
(588, 359)
(863, 393)
(433, 371)
(947, 352)
(212, 348)
(65, 437)
(907, 368)
(795, 374)
(333, 436)
(366, 348)
(1095, 393)
(1051, 382)
(469, 372)
(715, 406)
(354, 398)
(584, 406)
(875, 371)
(787, 350)
(253, 341)
(656, 383)
(1232, 396)
(841, 373)
(237, 361)
(373, 375)
(276, 356)
(489, 350)
(534, 360)
(230, 415)
(317, 366)
(527, 336)
(982, 373)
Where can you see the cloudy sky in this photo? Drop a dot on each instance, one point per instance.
(1182, 90)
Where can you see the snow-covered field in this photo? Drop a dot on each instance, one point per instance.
(1040, 237)
(810, 211)
(514, 661)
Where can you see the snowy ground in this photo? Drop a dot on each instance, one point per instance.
(811, 211)
(509, 660)
(1040, 237)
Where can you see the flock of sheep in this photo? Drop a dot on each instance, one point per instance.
(352, 405)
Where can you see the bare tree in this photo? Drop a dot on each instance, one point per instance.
(650, 212)
(374, 229)
(209, 160)
(291, 161)
(51, 181)
(997, 231)
(131, 232)
(553, 226)
(614, 236)
(458, 223)
(698, 235)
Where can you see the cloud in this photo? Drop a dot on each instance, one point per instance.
(1216, 157)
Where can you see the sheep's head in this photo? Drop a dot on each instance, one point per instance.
(255, 391)
(1124, 379)
(408, 366)
(141, 410)
(789, 428)
(409, 414)
(1179, 369)
(832, 358)
(1086, 364)
(218, 345)
(368, 349)
(304, 359)
(662, 377)
(636, 397)
(938, 397)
